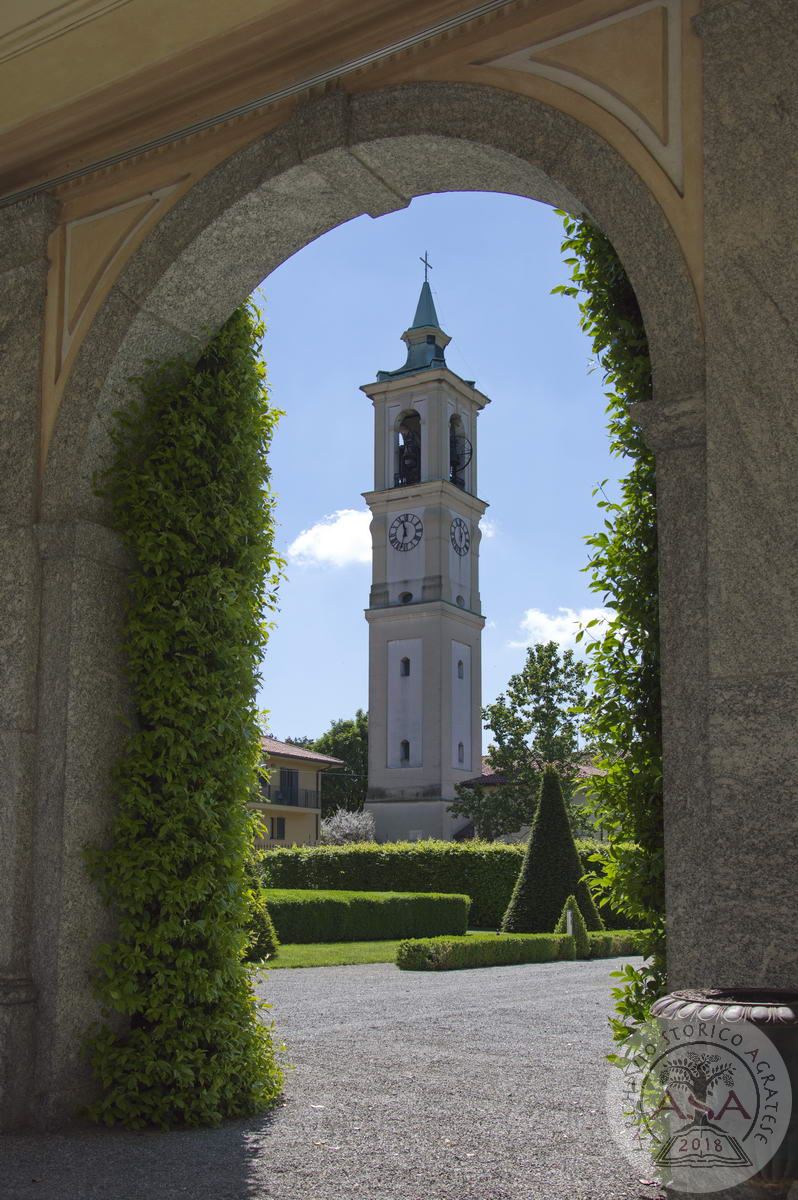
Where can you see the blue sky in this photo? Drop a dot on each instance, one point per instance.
(334, 314)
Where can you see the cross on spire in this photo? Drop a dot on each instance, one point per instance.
(427, 265)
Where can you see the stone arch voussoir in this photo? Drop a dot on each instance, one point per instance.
(337, 158)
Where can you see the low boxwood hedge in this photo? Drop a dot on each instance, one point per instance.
(579, 930)
(304, 915)
(485, 871)
(502, 949)
(615, 943)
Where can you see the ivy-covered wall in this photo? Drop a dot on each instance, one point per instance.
(183, 1042)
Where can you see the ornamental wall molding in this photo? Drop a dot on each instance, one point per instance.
(646, 96)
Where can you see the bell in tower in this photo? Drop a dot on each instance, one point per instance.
(408, 450)
(460, 451)
(424, 615)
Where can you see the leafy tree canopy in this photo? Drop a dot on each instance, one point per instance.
(536, 721)
(347, 739)
(493, 811)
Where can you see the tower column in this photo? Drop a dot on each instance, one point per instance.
(424, 615)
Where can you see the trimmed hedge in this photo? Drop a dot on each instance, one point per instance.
(580, 934)
(616, 943)
(341, 916)
(508, 949)
(551, 869)
(262, 940)
(485, 871)
(505, 949)
(180, 1041)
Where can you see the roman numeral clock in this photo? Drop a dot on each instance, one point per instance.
(424, 615)
(406, 531)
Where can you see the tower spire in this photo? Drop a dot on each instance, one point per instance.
(426, 316)
(425, 340)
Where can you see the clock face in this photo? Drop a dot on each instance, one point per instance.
(406, 532)
(460, 537)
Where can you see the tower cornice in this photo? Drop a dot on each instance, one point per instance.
(433, 491)
(433, 609)
(415, 380)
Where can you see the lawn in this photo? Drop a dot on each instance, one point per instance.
(332, 954)
(339, 954)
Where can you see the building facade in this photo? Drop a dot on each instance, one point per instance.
(290, 808)
(424, 615)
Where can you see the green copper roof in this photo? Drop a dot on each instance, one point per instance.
(425, 309)
(425, 351)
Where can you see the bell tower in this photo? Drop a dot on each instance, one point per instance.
(425, 618)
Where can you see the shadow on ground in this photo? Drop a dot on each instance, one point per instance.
(99, 1164)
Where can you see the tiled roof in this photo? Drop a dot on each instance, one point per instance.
(492, 778)
(289, 750)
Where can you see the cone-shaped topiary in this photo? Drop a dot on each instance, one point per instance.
(263, 940)
(550, 871)
(578, 927)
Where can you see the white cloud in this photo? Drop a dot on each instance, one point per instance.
(487, 527)
(337, 540)
(561, 627)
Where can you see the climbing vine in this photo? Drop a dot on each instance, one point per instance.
(623, 712)
(181, 1042)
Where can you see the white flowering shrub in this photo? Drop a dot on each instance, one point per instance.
(345, 826)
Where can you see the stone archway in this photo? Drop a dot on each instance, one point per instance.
(337, 158)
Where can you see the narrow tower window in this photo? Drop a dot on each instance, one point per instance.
(460, 451)
(460, 752)
(408, 450)
(404, 666)
(460, 669)
(404, 752)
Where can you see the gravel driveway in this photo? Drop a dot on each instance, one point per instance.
(465, 1085)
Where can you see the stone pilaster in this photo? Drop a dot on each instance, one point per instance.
(751, 196)
(675, 431)
(24, 230)
(84, 713)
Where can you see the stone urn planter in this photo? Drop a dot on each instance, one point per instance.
(775, 1013)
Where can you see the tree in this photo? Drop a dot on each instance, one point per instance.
(697, 1073)
(551, 870)
(535, 722)
(347, 739)
(493, 811)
